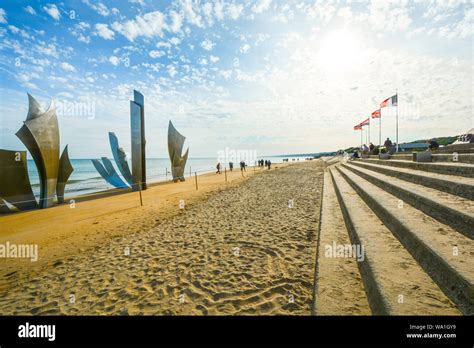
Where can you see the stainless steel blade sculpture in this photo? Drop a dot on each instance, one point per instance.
(65, 170)
(107, 171)
(175, 148)
(137, 126)
(120, 158)
(40, 134)
(15, 187)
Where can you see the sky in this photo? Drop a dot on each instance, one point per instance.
(275, 77)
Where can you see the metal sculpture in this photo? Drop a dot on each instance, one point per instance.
(175, 148)
(15, 185)
(107, 171)
(137, 126)
(120, 158)
(65, 170)
(40, 134)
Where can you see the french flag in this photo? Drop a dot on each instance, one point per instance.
(376, 114)
(392, 101)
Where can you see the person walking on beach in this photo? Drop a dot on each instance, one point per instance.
(269, 164)
(231, 165)
(218, 166)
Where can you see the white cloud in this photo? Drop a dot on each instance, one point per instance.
(99, 7)
(214, 59)
(171, 70)
(30, 10)
(176, 21)
(156, 54)
(79, 31)
(104, 32)
(191, 12)
(149, 25)
(49, 50)
(67, 67)
(261, 6)
(244, 48)
(114, 60)
(53, 11)
(234, 11)
(3, 16)
(207, 44)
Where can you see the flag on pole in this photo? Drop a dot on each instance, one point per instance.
(376, 114)
(392, 101)
(362, 124)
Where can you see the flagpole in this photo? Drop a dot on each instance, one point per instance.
(380, 128)
(369, 131)
(397, 118)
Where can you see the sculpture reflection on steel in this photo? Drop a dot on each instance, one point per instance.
(15, 185)
(137, 126)
(175, 148)
(65, 170)
(120, 158)
(40, 135)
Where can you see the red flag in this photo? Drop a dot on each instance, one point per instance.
(360, 125)
(376, 114)
(392, 101)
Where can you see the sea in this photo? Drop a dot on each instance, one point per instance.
(85, 179)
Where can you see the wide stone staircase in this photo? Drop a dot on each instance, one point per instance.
(415, 221)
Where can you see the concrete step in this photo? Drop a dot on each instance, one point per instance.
(330, 297)
(449, 157)
(446, 255)
(394, 282)
(455, 185)
(452, 210)
(460, 169)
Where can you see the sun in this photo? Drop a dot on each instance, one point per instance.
(339, 50)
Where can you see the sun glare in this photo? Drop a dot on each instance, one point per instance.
(339, 50)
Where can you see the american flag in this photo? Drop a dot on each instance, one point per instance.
(392, 101)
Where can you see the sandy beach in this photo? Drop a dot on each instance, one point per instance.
(247, 246)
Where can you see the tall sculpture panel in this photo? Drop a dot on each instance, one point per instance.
(120, 158)
(137, 125)
(65, 170)
(175, 148)
(40, 134)
(15, 187)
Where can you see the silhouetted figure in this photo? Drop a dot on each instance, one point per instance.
(269, 164)
(218, 166)
(231, 165)
(433, 145)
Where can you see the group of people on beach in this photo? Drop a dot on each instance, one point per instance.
(264, 163)
(243, 165)
(231, 166)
